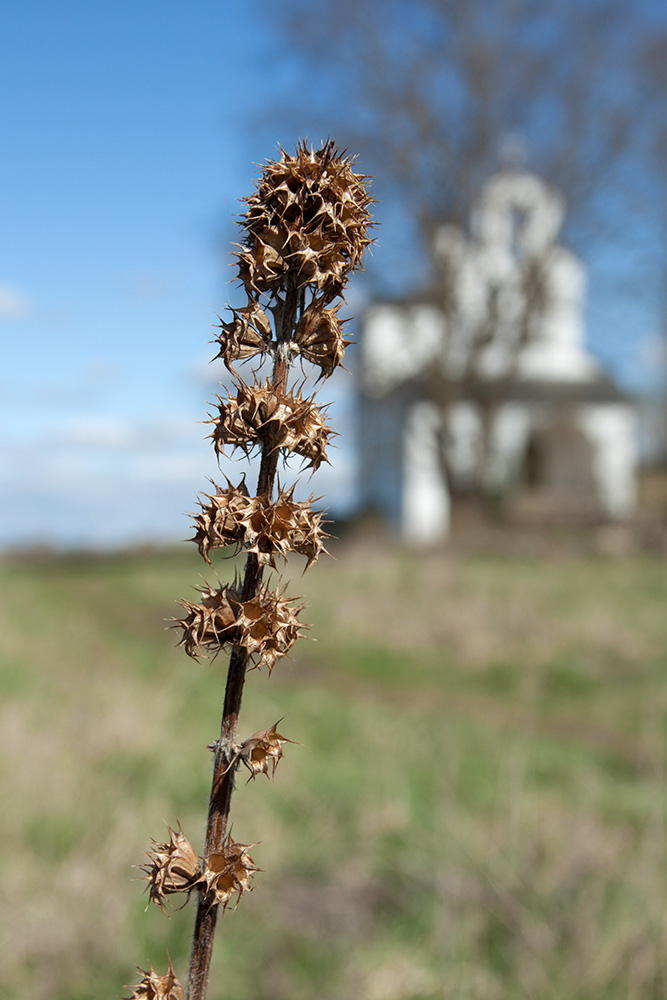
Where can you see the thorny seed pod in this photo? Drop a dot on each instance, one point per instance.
(174, 867)
(305, 433)
(229, 871)
(241, 418)
(154, 987)
(262, 269)
(209, 624)
(268, 627)
(308, 218)
(263, 749)
(288, 525)
(222, 520)
(246, 336)
(318, 337)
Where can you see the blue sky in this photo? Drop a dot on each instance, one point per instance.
(127, 141)
(130, 129)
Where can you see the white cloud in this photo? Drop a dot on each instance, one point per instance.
(100, 479)
(14, 303)
(98, 432)
(107, 432)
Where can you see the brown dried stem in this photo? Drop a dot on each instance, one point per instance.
(225, 763)
(306, 228)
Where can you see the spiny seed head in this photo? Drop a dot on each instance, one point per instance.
(242, 418)
(174, 867)
(307, 434)
(263, 750)
(229, 871)
(211, 623)
(268, 627)
(247, 335)
(308, 218)
(154, 987)
(259, 415)
(286, 526)
(318, 337)
(254, 524)
(222, 520)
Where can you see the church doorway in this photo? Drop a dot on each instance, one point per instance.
(558, 470)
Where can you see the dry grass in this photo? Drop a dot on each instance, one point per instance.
(478, 811)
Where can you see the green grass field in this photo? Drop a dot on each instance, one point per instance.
(476, 809)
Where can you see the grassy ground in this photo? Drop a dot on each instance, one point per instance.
(476, 810)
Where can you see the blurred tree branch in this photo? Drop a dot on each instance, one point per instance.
(432, 92)
(437, 95)
(652, 67)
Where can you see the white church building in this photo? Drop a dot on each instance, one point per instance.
(520, 387)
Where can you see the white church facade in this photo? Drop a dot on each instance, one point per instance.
(491, 381)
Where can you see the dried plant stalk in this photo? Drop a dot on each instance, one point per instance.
(306, 229)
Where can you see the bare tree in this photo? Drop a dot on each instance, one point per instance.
(431, 92)
(652, 69)
(431, 89)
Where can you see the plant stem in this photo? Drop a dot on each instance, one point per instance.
(224, 768)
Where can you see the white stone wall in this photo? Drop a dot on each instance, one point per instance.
(517, 220)
(398, 344)
(607, 430)
(612, 428)
(426, 502)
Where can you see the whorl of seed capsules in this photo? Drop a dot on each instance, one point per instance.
(257, 414)
(265, 626)
(308, 219)
(253, 524)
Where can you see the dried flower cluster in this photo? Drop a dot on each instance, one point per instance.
(306, 228)
(308, 220)
(228, 871)
(265, 626)
(258, 415)
(154, 987)
(253, 524)
(174, 867)
(262, 750)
